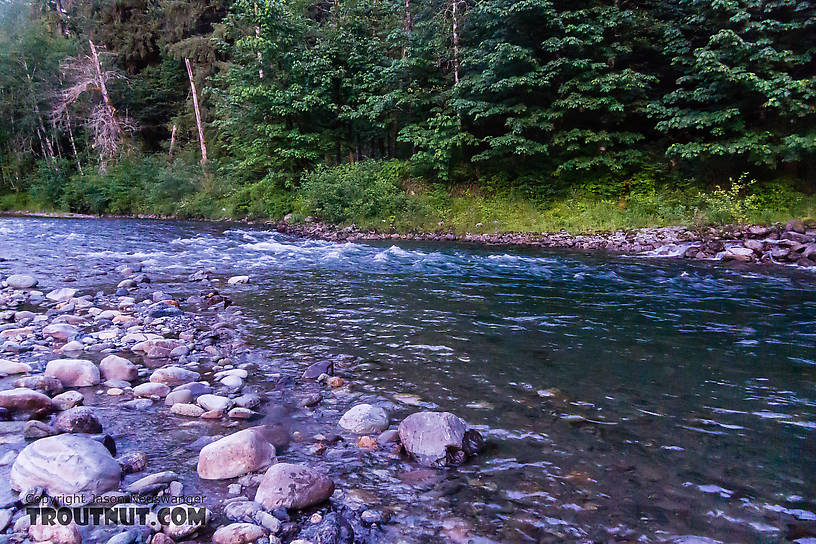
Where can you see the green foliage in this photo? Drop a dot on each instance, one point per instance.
(354, 192)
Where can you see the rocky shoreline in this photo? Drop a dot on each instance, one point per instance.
(792, 243)
(71, 362)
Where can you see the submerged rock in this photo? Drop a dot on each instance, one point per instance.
(287, 485)
(438, 438)
(66, 464)
(235, 455)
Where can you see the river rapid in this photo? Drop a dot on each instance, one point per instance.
(622, 398)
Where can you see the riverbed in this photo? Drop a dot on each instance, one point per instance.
(623, 398)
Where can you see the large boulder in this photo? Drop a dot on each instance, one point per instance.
(23, 400)
(174, 375)
(21, 281)
(114, 367)
(66, 464)
(73, 372)
(438, 438)
(365, 419)
(287, 485)
(235, 455)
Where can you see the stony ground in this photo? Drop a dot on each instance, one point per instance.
(140, 349)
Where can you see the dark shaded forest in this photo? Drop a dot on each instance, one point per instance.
(493, 114)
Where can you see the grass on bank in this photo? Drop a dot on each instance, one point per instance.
(385, 196)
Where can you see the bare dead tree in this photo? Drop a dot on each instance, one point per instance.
(197, 112)
(85, 76)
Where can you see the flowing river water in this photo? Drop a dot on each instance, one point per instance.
(623, 398)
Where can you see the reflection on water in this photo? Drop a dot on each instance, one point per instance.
(624, 398)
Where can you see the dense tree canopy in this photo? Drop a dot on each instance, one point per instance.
(555, 91)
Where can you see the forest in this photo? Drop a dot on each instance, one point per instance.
(412, 114)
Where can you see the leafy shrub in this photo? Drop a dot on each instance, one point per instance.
(732, 205)
(349, 192)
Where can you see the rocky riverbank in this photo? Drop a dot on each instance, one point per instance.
(73, 363)
(792, 243)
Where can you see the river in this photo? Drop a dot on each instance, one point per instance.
(623, 398)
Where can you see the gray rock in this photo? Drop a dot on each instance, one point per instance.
(175, 397)
(61, 295)
(21, 281)
(67, 400)
(365, 419)
(428, 436)
(79, 419)
(132, 462)
(174, 375)
(37, 429)
(242, 510)
(73, 372)
(66, 464)
(151, 389)
(213, 402)
(46, 384)
(188, 410)
(60, 331)
(238, 533)
(235, 455)
(287, 485)
(148, 481)
(196, 388)
(23, 400)
(114, 367)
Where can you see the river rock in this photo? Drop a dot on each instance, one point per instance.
(37, 429)
(232, 381)
(287, 485)
(21, 281)
(433, 438)
(174, 375)
(80, 419)
(213, 402)
(188, 410)
(47, 384)
(235, 455)
(60, 331)
(114, 367)
(238, 533)
(157, 348)
(238, 279)
(316, 369)
(66, 464)
(67, 400)
(242, 510)
(61, 295)
(131, 462)
(365, 419)
(10, 367)
(175, 397)
(151, 389)
(55, 534)
(73, 372)
(179, 532)
(22, 400)
(195, 388)
(151, 480)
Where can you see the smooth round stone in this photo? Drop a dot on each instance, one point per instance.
(213, 402)
(365, 419)
(183, 396)
(241, 413)
(73, 347)
(427, 436)
(238, 533)
(26, 401)
(115, 392)
(66, 464)
(60, 331)
(46, 384)
(287, 485)
(61, 295)
(174, 375)
(73, 372)
(151, 389)
(67, 400)
(21, 281)
(10, 367)
(196, 388)
(232, 381)
(235, 455)
(114, 367)
(188, 410)
(80, 419)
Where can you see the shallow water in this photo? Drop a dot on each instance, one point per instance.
(624, 398)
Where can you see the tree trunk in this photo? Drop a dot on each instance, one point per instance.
(408, 27)
(455, 43)
(73, 143)
(172, 141)
(197, 113)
